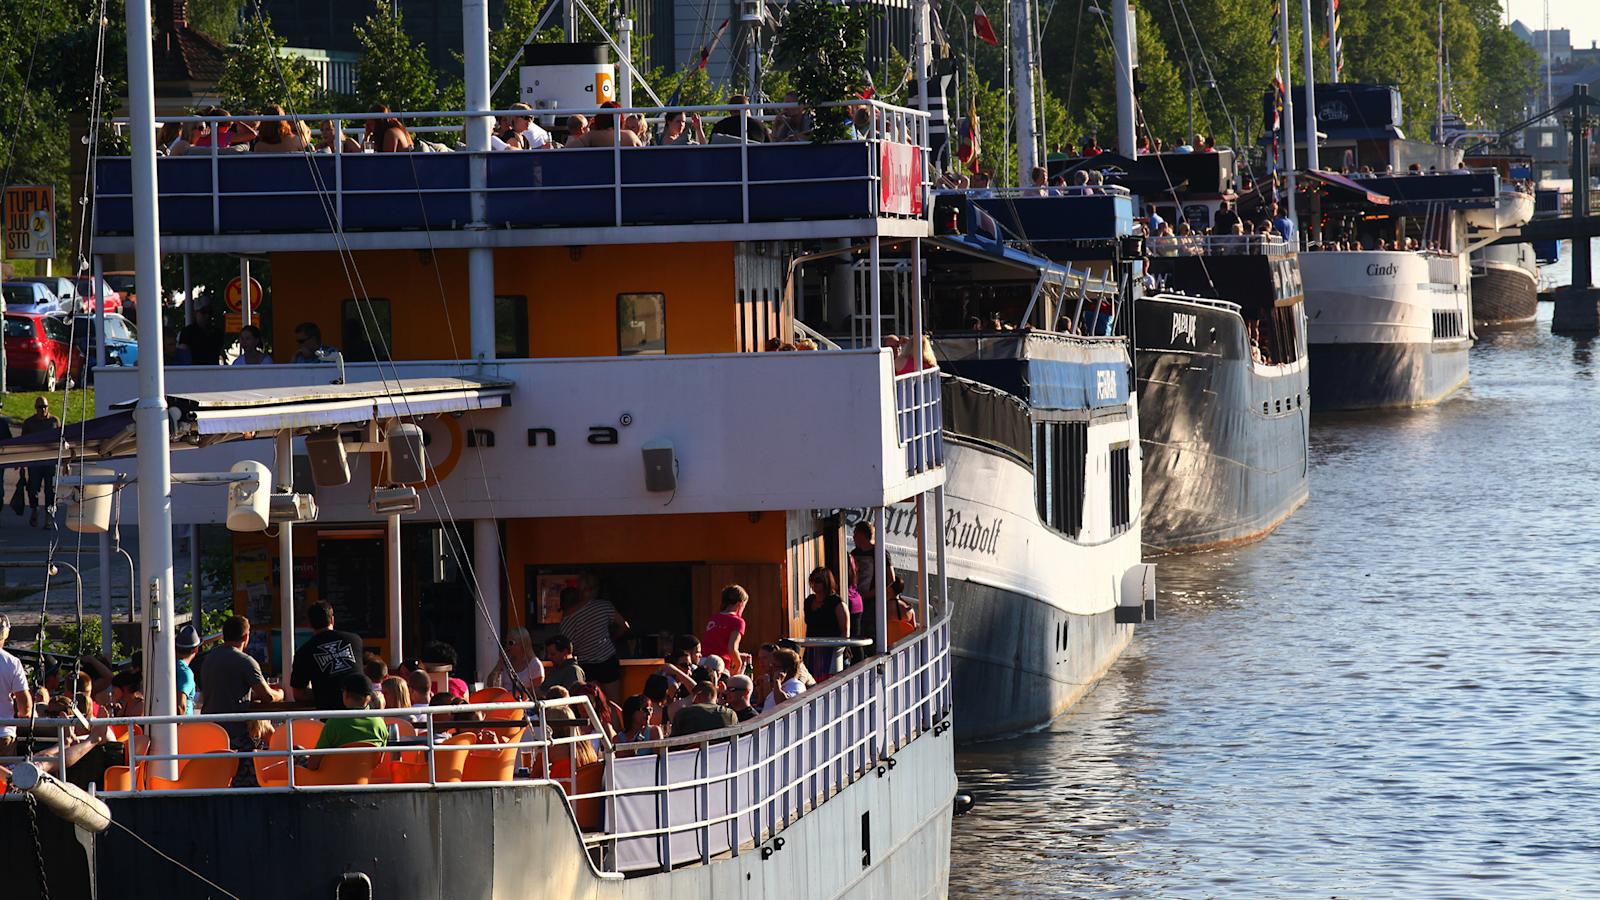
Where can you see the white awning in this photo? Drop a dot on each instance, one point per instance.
(329, 405)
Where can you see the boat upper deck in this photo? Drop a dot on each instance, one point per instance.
(728, 189)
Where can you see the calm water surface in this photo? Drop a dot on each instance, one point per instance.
(1396, 694)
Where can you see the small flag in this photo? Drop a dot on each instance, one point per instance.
(705, 52)
(968, 141)
(1335, 46)
(982, 28)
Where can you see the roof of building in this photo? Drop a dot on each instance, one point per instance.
(182, 53)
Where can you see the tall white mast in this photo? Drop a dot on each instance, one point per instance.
(150, 414)
(1288, 106)
(1122, 40)
(1022, 89)
(1312, 162)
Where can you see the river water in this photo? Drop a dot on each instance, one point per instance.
(1395, 694)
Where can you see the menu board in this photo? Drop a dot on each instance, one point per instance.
(351, 576)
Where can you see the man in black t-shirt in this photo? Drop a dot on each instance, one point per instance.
(321, 664)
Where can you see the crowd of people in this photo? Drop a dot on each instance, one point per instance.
(708, 682)
(271, 130)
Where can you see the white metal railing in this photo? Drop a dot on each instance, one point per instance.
(685, 800)
(889, 125)
(1215, 245)
(660, 803)
(919, 419)
(1065, 190)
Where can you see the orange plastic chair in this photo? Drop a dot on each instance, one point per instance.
(899, 630)
(119, 778)
(497, 695)
(342, 768)
(590, 813)
(447, 764)
(492, 765)
(216, 770)
(273, 771)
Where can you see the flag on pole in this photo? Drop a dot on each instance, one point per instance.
(705, 52)
(1277, 89)
(982, 28)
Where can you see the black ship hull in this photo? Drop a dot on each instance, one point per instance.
(1387, 376)
(1008, 676)
(1504, 295)
(1224, 437)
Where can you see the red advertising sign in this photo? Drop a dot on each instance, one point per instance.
(900, 179)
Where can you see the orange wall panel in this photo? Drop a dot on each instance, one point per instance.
(571, 291)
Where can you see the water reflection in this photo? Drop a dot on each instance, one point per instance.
(1393, 695)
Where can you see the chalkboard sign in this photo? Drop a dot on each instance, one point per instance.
(351, 576)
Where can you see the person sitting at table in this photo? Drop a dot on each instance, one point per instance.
(562, 670)
(659, 690)
(525, 670)
(704, 713)
(356, 692)
(439, 653)
(563, 724)
(638, 712)
(785, 686)
(607, 712)
(396, 693)
(736, 694)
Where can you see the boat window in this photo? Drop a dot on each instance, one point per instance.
(1060, 457)
(511, 327)
(641, 324)
(366, 330)
(1121, 489)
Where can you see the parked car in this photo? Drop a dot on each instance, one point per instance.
(87, 295)
(38, 354)
(122, 283)
(122, 340)
(29, 297)
(62, 287)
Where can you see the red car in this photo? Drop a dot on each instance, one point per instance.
(87, 294)
(38, 354)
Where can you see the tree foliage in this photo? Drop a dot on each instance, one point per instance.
(257, 75)
(393, 70)
(823, 46)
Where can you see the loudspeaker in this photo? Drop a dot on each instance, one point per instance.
(330, 465)
(250, 501)
(660, 467)
(88, 506)
(408, 458)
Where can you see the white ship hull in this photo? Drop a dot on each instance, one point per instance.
(1386, 328)
(1032, 611)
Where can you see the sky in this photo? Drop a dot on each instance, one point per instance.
(1582, 16)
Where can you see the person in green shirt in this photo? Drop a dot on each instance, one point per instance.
(338, 732)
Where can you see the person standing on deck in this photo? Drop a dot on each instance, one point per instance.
(322, 663)
(592, 624)
(16, 701)
(726, 628)
(865, 624)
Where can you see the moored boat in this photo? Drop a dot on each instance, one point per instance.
(612, 428)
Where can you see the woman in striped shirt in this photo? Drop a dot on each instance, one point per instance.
(592, 624)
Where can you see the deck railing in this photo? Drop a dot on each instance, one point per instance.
(658, 804)
(1216, 245)
(882, 171)
(919, 419)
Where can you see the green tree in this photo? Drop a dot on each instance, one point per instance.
(216, 19)
(257, 75)
(823, 46)
(393, 70)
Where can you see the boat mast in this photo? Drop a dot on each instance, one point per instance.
(1438, 113)
(1022, 89)
(1288, 107)
(1122, 37)
(1312, 161)
(150, 414)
